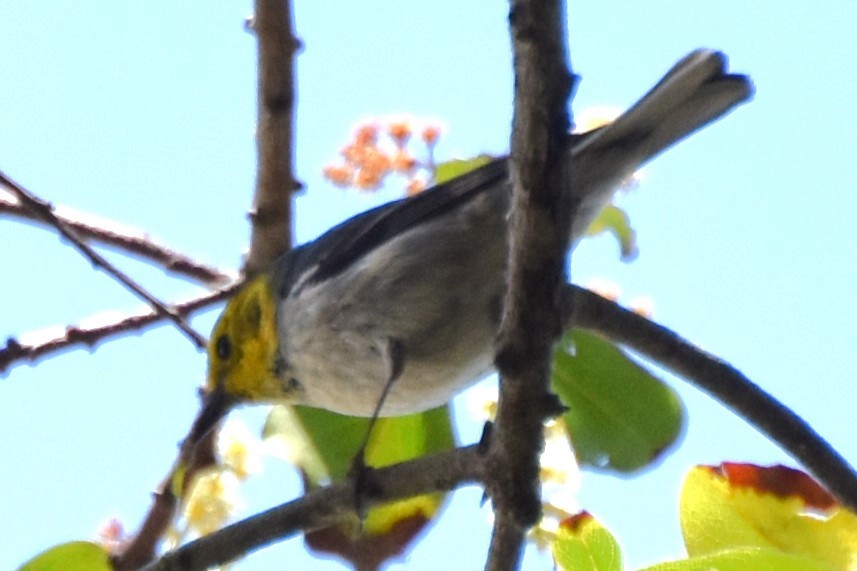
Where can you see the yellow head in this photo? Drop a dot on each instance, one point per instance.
(243, 349)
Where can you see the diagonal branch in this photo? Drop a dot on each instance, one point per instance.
(45, 211)
(326, 506)
(124, 239)
(723, 382)
(141, 549)
(16, 351)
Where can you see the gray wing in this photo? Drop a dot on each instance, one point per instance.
(345, 244)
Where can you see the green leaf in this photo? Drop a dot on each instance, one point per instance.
(745, 559)
(616, 221)
(583, 544)
(320, 443)
(323, 444)
(620, 416)
(74, 556)
(449, 170)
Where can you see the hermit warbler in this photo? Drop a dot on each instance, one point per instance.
(418, 284)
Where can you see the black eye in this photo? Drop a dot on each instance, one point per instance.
(223, 347)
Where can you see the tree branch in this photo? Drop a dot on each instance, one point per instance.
(15, 351)
(270, 234)
(271, 214)
(721, 381)
(125, 239)
(326, 506)
(143, 546)
(540, 226)
(449, 470)
(45, 211)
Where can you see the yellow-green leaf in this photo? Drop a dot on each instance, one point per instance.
(323, 443)
(74, 556)
(745, 559)
(615, 220)
(583, 544)
(449, 170)
(620, 416)
(774, 508)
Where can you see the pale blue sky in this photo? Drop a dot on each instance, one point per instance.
(143, 113)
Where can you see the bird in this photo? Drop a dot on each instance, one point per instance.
(396, 310)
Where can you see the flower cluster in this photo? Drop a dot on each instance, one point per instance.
(380, 149)
(214, 495)
(112, 536)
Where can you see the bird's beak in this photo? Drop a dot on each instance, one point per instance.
(215, 406)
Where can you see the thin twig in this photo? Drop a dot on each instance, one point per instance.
(142, 548)
(271, 215)
(15, 351)
(45, 211)
(539, 230)
(124, 239)
(326, 506)
(723, 382)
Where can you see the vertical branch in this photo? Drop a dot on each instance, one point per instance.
(540, 228)
(270, 237)
(271, 213)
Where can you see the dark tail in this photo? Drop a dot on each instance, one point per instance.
(695, 92)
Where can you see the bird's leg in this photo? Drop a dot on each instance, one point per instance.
(360, 471)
